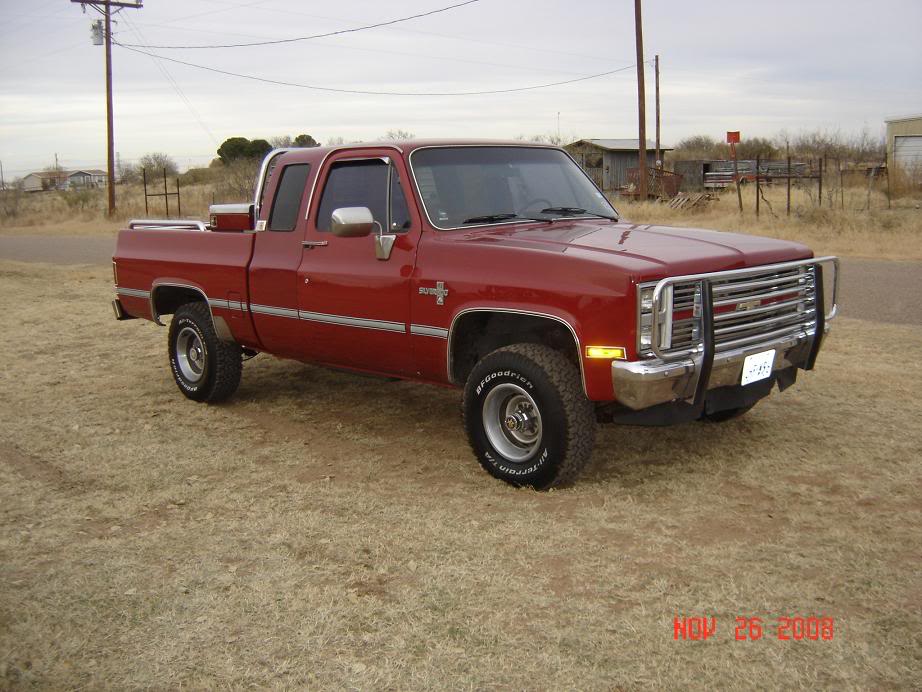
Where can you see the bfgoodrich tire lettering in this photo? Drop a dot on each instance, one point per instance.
(204, 367)
(527, 418)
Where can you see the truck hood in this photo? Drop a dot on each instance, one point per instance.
(647, 252)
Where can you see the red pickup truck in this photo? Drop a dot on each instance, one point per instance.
(498, 268)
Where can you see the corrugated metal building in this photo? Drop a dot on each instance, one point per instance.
(607, 160)
(904, 145)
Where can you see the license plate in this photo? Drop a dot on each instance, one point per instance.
(757, 367)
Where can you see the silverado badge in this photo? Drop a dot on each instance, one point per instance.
(439, 292)
(748, 305)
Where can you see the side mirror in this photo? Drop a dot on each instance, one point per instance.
(357, 222)
(352, 222)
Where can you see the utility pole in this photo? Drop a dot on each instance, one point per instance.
(659, 160)
(104, 7)
(641, 107)
(110, 134)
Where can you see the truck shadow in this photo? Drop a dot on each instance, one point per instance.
(351, 413)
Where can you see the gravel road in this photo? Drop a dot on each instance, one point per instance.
(877, 290)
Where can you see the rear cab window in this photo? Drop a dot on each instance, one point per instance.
(288, 197)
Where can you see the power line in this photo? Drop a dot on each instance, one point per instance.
(169, 78)
(307, 38)
(339, 90)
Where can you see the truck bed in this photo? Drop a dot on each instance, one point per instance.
(214, 264)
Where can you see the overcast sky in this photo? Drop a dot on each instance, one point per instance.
(760, 66)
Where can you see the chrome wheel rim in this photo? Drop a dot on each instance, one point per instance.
(512, 422)
(190, 354)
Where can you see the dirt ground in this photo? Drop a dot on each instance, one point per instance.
(329, 530)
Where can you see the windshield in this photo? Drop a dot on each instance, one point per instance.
(465, 186)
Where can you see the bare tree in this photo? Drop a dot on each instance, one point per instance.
(157, 162)
(237, 179)
(398, 135)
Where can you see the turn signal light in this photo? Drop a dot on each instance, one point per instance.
(610, 352)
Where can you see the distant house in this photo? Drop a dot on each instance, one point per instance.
(92, 177)
(45, 180)
(63, 180)
(607, 160)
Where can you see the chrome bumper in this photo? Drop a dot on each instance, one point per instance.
(644, 383)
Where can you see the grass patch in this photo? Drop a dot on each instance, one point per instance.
(330, 530)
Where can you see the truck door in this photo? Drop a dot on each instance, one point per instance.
(353, 307)
(276, 257)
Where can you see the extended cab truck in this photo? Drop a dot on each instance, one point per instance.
(498, 268)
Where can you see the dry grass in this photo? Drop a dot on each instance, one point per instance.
(880, 233)
(84, 212)
(329, 530)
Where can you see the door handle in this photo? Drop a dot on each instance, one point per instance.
(311, 244)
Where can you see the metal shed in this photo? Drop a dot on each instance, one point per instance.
(904, 145)
(607, 160)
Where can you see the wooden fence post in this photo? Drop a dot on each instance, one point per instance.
(758, 189)
(789, 184)
(819, 164)
(144, 177)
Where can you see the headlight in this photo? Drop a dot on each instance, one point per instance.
(646, 299)
(645, 319)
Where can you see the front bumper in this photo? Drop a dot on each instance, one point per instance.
(644, 383)
(687, 377)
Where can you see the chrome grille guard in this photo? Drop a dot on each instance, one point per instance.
(663, 308)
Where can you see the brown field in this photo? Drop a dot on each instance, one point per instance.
(330, 530)
(880, 233)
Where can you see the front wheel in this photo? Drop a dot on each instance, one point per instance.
(204, 367)
(527, 418)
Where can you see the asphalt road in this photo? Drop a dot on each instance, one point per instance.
(877, 290)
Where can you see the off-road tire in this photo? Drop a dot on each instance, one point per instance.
(727, 414)
(566, 417)
(220, 364)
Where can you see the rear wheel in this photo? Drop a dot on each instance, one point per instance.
(527, 418)
(204, 367)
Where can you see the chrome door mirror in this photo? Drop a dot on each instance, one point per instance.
(352, 222)
(358, 222)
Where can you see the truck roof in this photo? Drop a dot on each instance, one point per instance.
(406, 146)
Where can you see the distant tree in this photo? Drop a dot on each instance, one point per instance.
(157, 162)
(756, 147)
(235, 181)
(549, 138)
(281, 142)
(700, 147)
(398, 135)
(335, 141)
(305, 141)
(127, 173)
(234, 148)
(258, 148)
(10, 199)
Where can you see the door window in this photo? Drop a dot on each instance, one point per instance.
(366, 183)
(355, 184)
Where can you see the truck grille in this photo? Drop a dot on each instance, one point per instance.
(748, 310)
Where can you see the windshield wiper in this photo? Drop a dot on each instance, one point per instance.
(491, 218)
(576, 211)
